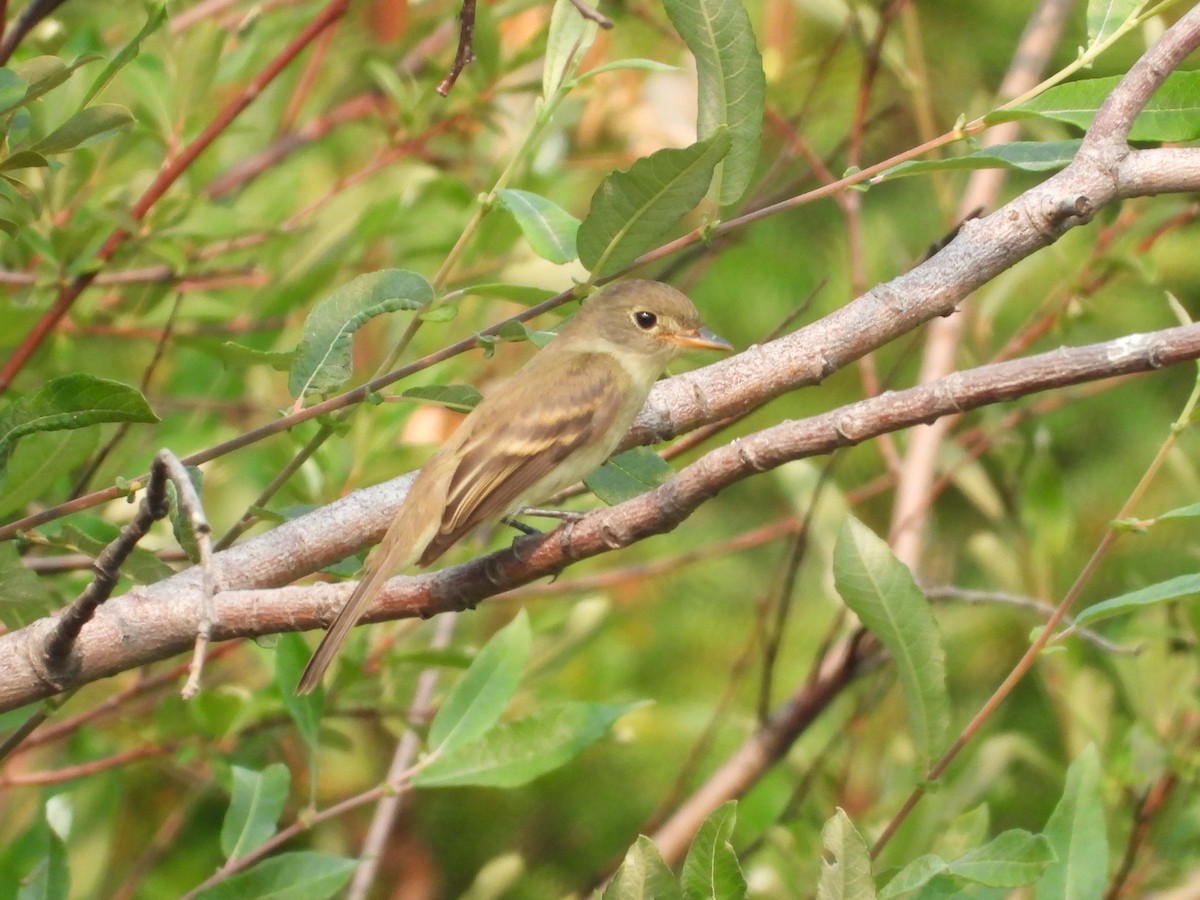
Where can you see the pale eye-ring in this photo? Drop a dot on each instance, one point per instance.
(644, 319)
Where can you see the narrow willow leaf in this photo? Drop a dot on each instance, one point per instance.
(1163, 592)
(711, 870)
(1172, 113)
(548, 227)
(1104, 17)
(629, 474)
(158, 15)
(255, 804)
(881, 592)
(1022, 156)
(731, 84)
(1011, 859)
(458, 397)
(307, 874)
(632, 211)
(477, 700)
(643, 876)
(24, 159)
(291, 656)
(570, 37)
(67, 402)
(514, 753)
(913, 876)
(37, 463)
(1191, 511)
(846, 870)
(86, 125)
(1077, 835)
(323, 361)
(40, 74)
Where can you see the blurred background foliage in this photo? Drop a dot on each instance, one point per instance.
(349, 162)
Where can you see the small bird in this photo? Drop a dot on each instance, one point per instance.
(552, 423)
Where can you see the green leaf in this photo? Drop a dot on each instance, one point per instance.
(1023, 156)
(458, 397)
(24, 159)
(67, 402)
(643, 876)
(291, 656)
(881, 592)
(1191, 511)
(1163, 592)
(1104, 17)
(158, 15)
(548, 227)
(323, 361)
(41, 74)
(1077, 835)
(514, 753)
(913, 876)
(87, 124)
(730, 84)
(1172, 114)
(846, 868)
(255, 804)
(1011, 859)
(569, 39)
(628, 475)
(39, 461)
(711, 870)
(477, 700)
(632, 211)
(306, 874)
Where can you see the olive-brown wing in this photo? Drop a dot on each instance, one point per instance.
(527, 430)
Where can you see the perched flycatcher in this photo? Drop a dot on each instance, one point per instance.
(558, 418)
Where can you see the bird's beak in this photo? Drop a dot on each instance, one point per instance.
(699, 339)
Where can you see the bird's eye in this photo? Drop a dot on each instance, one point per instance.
(644, 319)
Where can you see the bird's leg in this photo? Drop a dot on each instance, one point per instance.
(525, 530)
(563, 515)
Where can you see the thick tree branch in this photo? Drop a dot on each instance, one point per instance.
(156, 622)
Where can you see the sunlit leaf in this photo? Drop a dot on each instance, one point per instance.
(632, 211)
(1077, 835)
(548, 227)
(628, 474)
(323, 362)
(730, 84)
(458, 397)
(66, 402)
(1172, 113)
(255, 804)
(514, 753)
(881, 592)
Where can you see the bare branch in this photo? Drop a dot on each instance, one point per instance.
(155, 622)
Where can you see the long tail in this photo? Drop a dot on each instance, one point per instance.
(395, 551)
